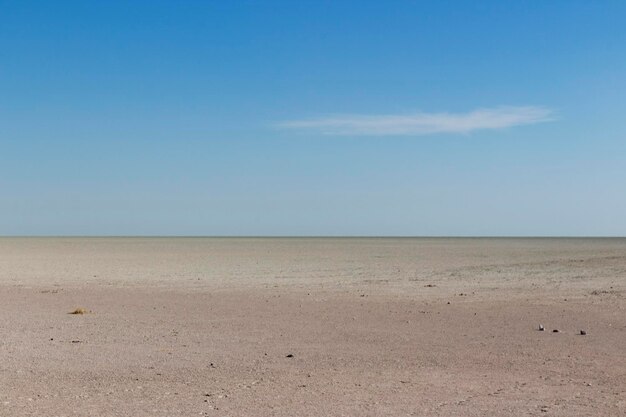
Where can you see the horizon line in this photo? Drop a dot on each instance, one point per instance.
(321, 236)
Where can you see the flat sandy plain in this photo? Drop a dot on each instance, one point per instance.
(376, 327)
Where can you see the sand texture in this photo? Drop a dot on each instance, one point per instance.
(312, 327)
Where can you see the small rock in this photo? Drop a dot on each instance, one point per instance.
(541, 328)
(582, 332)
(555, 331)
(290, 356)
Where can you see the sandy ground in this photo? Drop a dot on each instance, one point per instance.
(312, 327)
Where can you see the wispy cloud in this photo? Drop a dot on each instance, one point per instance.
(423, 123)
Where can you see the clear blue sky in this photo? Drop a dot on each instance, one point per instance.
(313, 118)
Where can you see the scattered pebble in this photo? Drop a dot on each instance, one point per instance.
(541, 328)
(582, 332)
(290, 356)
(555, 331)
(79, 310)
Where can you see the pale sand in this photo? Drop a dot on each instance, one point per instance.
(183, 327)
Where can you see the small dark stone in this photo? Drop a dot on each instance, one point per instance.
(582, 332)
(290, 356)
(541, 328)
(448, 302)
(555, 331)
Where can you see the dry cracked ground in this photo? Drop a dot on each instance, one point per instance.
(310, 327)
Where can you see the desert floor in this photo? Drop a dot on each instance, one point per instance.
(312, 327)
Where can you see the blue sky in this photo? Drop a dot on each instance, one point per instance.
(313, 118)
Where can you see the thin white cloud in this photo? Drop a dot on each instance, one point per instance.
(423, 123)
